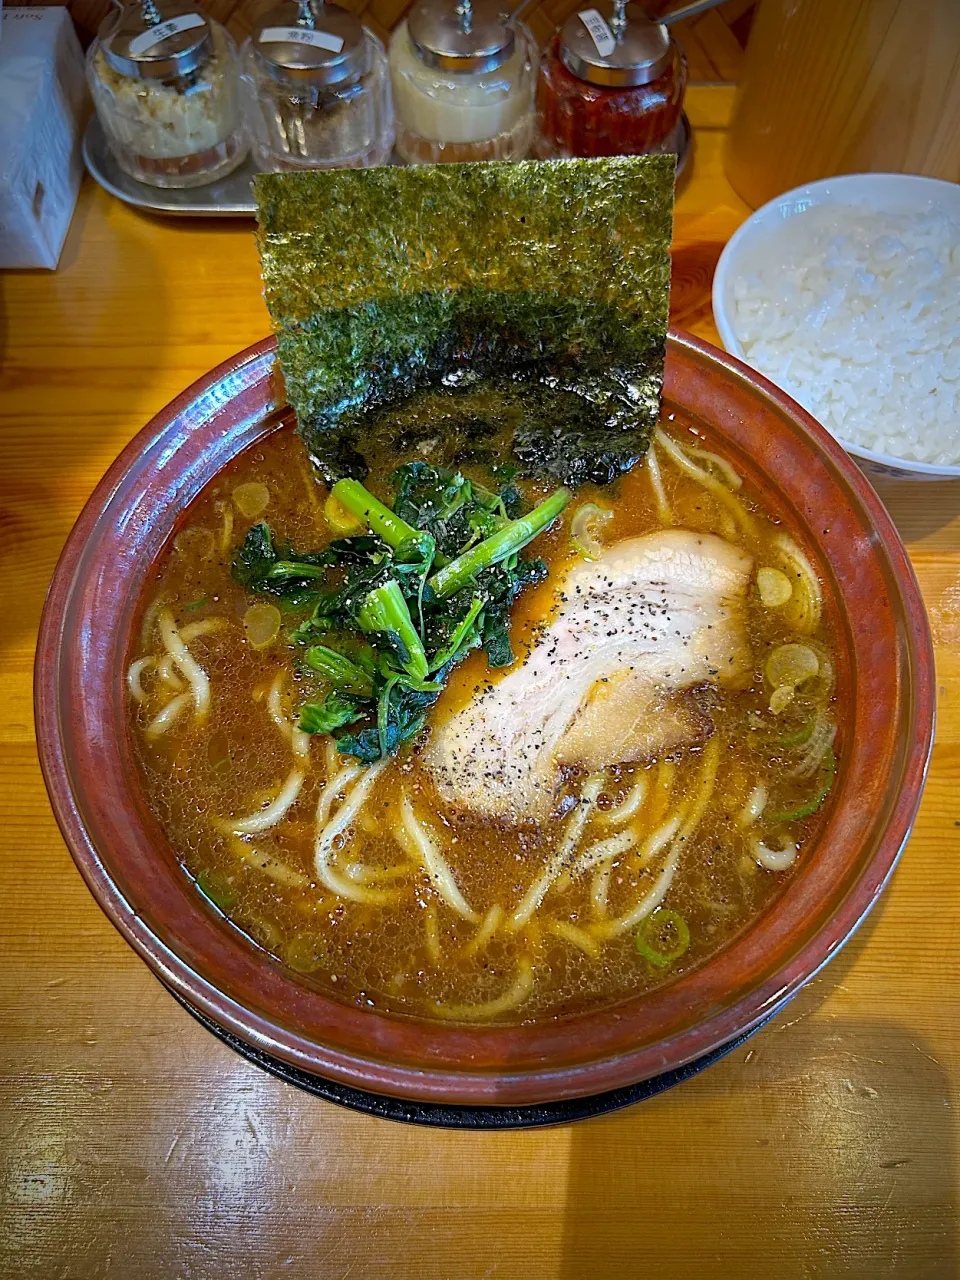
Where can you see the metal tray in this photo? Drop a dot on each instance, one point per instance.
(231, 197)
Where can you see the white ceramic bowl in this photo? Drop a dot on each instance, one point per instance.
(885, 192)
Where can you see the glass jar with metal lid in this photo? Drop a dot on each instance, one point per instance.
(463, 76)
(164, 81)
(317, 89)
(610, 88)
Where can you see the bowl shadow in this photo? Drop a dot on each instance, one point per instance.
(855, 1177)
(821, 1147)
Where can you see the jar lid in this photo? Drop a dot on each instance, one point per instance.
(156, 39)
(461, 35)
(614, 54)
(310, 41)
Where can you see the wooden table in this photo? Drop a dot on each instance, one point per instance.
(134, 1144)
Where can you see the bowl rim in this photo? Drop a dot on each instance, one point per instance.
(760, 218)
(745, 1010)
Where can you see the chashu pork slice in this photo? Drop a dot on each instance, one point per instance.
(604, 682)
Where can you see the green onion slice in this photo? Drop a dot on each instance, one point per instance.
(587, 520)
(662, 922)
(828, 771)
(215, 886)
(800, 738)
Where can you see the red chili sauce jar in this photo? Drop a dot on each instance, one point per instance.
(610, 89)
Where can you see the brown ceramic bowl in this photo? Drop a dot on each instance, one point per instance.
(885, 682)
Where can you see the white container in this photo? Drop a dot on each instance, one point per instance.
(463, 84)
(42, 110)
(891, 193)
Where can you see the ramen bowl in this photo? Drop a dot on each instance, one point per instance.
(885, 706)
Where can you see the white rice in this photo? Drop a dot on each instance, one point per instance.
(856, 314)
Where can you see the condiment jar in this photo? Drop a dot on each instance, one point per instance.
(164, 81)
(608, 89)
(463, 79)
(317, 89)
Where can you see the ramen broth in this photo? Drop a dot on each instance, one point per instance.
(428, 909)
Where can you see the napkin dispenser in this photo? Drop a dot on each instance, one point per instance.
(42, 110)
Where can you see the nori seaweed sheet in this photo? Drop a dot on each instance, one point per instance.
(551, 275)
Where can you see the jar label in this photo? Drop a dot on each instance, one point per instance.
(301, 35)
(147, 39)
(600, 33)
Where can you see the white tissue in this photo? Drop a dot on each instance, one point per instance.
(42, 110)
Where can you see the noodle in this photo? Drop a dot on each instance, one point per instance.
(334, 788)
(731, 476)
(205, 627)
(649, 902)
(432, 931)
(170, 713)
(276, 710)
(661, 886)
(226, 533)
(658, 840)
(666, 772)
(189, 668)
(775, 859)
(578, 937)
(627, 809)
(166, 674)
(270, 866)
(522, 986)
(361, 874)
(712, 485)
(134, 673)
(603, 851)
(415, 839)
(149, 620)
(728, 526)
(299, 740)
(755, 804)
(369, 823)
(600, 890)
(488, 927)
(326, 835)
(708, 778)
(272, 814)
(539, 889)
(663, 506)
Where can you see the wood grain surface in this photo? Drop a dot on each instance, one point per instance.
(847, 86)
(134, 1145)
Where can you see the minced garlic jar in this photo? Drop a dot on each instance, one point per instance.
(165, 85)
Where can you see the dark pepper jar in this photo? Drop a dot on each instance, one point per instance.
(609, 89)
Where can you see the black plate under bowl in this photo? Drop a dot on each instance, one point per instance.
(439, 1115)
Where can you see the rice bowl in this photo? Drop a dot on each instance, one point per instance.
(852, 309)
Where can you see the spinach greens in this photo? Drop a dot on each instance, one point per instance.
(389, 613)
